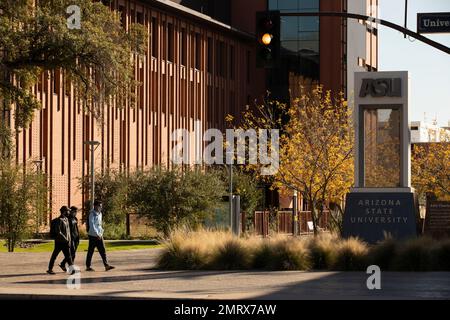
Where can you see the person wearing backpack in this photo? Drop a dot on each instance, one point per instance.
(96, 237)
(74, 236)
(60, 231)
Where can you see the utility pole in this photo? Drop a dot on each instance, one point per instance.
(295, 214)
(230, 160)
(93, 146)
(406, 16)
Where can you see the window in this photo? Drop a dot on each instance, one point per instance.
(123, 16)
(198, 50)
(154, 37)
(56, 81)
(381, 145)
(140, 18)
(183, 47)
(170, 42)
(299, 36)
(232, 62)
(210, 55)
(224, 63)
(248, 66)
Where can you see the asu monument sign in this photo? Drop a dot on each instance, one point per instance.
(382, 201)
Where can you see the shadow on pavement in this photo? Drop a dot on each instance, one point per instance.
(352, 285)
(155, 275)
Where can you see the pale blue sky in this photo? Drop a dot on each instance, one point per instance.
(429, 69)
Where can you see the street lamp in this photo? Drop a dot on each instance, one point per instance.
(230, 155)
(295, 213)
(93, 146)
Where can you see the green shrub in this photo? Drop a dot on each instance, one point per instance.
(115, 231)
(383, 253)
(323, 251)
(288, 254)
(351, 255)
(263, 255)
(441, 253)
(232, 255)
(414, 255)
(181, 258)
(202, 249)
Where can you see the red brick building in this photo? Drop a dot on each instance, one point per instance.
(200, 66)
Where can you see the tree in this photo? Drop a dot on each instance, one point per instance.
(98, 58)
(246, 186)
(112, 188)
(170, 198)
(431, 168)
(316, 147)
(17, 191)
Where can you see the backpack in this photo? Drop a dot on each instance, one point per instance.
(86, 221)
(54, 228)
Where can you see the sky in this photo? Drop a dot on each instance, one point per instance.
(429, 68)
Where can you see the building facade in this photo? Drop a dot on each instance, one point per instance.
(199, 67)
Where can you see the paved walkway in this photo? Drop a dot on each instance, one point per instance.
(22, 275)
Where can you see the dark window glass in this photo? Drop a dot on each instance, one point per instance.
(183, 47)
(224, 64)
(218, 57)
(248, 66)
(154, 37)
(170, 43)
(123, 16)
(299, 38)
(210, 55)
(232, 62)
(198, 50)
(140, 18)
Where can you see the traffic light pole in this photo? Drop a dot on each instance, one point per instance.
(391, 25)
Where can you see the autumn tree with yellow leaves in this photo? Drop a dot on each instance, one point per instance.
(431, 167)
(316, 147)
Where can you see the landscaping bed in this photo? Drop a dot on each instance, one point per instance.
(215, 250)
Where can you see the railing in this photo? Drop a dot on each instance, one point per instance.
(261, 223)
(284, 222)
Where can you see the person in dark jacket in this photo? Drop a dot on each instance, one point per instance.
(62, 240)
(74, 237)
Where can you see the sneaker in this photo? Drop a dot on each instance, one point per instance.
(107, 268)
(90, 269)
(50, 272)
(63, 267)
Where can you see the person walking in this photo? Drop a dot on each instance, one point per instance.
(74, 236)
(60, 231)
(95, 234)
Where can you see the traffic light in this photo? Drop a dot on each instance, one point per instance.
(268, 38)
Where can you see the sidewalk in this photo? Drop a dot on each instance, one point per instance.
(22, 275)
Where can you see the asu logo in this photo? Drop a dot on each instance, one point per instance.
(381, 88)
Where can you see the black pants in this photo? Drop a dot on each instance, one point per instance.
(94, 242)
(73, 251)
(65, 248)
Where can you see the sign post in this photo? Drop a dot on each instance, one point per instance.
(433, 22)
(382, 201)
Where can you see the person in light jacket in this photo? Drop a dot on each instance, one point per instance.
(95, 234)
